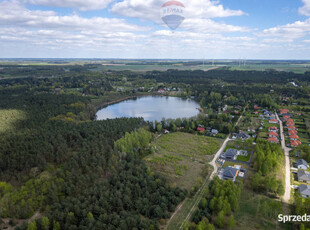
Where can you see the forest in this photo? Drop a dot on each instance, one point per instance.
(58, 161)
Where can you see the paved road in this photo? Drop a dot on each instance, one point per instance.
(286, 150)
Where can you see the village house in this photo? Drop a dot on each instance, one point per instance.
(231, 154)
(295, 143)
(292, 132)
(294, 137)
(242, 136)
(273, 140)
(230, 173)
(201, 129)
(303, 176)
(291, 128)
(273, 128)
(214, 131)
(302, 164)
(304, 190)
(273, 121)
(273, 134)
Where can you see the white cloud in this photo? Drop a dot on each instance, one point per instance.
(305, 10)
(82, 5)
(209, 26)
(150, 9)
(15, 14)
(295, 30)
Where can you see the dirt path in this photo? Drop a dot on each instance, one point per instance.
(207, 181)
(19, 222)
(286, 150)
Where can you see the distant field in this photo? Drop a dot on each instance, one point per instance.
(154, 67)
(8, 118)
(182, 157)
(296, 68)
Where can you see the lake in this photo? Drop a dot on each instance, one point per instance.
(151, 108)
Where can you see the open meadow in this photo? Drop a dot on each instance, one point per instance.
(182, 157)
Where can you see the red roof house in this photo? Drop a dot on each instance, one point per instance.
(273, 134)
(291, 127)
(295, 143)
(294, 137)
(273, 140)
(292, 132)
(200, 129)
(273, 128)
(284, 111)
(274, 121)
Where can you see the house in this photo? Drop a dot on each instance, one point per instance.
(302, 164)
(295, 143)
(273, 134)
(256, 107)
(273, 140)
(292, 132)
(214, 131)
(166, 131)
(268, 113)
(273, 121)
(290, 124)
(243, 136)
(304, 190)
(200, 129)
(303, 176)
(294, 137)
(284, 111)
(230, 173)
(231, 154)
(286, 117)
(255, 112)
(161, 91)
(291, 128)
(273, 128)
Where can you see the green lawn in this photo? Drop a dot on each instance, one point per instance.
(244, 158)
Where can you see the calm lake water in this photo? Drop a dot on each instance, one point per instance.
(151, 108)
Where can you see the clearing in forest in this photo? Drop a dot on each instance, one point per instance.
(182, 157)
(9, 119)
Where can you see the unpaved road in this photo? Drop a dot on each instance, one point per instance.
(286, 150)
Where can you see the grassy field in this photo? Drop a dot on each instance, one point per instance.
(296, 68)
(182, 157)
(142, 68)
(9, 118)
(249, 216)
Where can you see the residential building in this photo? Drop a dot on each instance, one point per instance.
(231, 154)
(273, 121)
(295, 143)
(302, 164)
(273, 140)
(230, 173)
(304, 190)
(303, 176)
(294, 137)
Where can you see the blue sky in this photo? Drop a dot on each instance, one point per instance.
(223, 29)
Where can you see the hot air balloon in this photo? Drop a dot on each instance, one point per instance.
(172, 13)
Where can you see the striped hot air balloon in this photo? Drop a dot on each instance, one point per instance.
(172, 13)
